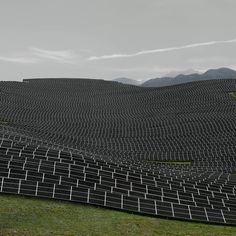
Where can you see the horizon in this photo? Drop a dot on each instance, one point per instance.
(104, 39)
(177, 73)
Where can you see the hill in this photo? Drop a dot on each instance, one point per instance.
(42, 217)
(164, 152)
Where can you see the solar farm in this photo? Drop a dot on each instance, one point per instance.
(166, 152)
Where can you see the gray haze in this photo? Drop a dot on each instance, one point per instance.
(105, 39)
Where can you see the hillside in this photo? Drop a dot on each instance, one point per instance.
(41, 217)
(165, 152)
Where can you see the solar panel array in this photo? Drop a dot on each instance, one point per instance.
(167, 152)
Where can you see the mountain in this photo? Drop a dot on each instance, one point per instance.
(179, 72)
(221, 73)
(124, 80)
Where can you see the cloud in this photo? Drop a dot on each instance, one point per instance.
(160, 50)
(157, 69)
(19, 59)
(36, 55)
(62, 56)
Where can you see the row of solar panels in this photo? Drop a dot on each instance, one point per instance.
(38, 171)
(130, 131)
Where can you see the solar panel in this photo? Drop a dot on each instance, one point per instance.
(166, 152)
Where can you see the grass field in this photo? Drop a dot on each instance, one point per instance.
(31, 216)
(170, 162)
(233, 94)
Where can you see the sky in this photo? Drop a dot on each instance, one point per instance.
(106, 39)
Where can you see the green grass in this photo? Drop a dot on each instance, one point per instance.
(32, 216)
(232, 94)
(173, 162)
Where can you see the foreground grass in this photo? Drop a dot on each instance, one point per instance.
(31, 216)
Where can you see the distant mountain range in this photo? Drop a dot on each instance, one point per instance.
(184, 77)
(181, 72)
(124, 80)
(221, 73)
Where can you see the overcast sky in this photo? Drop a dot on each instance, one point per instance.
(106, 39)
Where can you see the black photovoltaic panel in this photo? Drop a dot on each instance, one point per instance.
(108, 144)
